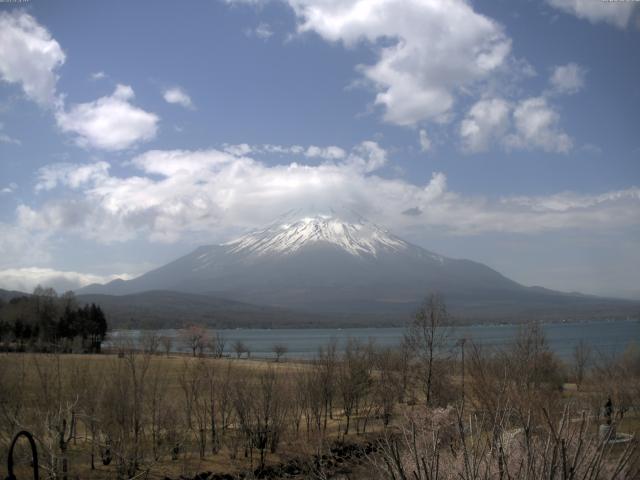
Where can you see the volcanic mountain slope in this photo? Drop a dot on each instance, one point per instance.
(340, 264)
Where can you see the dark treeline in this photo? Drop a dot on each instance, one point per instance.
(45, 321)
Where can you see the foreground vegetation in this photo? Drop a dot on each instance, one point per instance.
(418, 411)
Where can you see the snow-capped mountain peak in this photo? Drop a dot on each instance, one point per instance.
(335, 264)
(295, 231)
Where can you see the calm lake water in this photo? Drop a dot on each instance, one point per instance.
(605, 337)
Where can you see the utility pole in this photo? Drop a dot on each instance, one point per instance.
(461, 342)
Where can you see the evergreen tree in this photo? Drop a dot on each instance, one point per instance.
(46, 321)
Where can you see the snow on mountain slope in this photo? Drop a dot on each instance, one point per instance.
(357, 237)
(337, 264)
(331, 261)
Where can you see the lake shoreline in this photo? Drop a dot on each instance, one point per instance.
(606, 336)
(381, 325)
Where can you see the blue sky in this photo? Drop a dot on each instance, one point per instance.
(501, 131)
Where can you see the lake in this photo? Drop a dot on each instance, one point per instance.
(604, 336)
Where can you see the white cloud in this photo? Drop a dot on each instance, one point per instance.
(565, 201)
(29, 56)
(615, 13)
(26, 279)
(61, 215)
(239, 150)
(368, 157)
(282, 149)
(436, 189)
(109, 123)
(488, 120)
(210, 194)
(263, 31)
(98, 75)
(70, 174)
(4, 138)
(178, 96)
(425, 141)
(530, 123)
(568, 78)
(177, 163)
(428, 50)
(20, 246)
(536, 126)
(328, 153)
(331, 152)
(12, 187)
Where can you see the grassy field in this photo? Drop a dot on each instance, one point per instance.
(40, 384)
(143, 406)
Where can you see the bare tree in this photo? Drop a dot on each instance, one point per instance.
(298, 394)
(195, 338)
(404, 360)
(617, 377)
(57, 412)
(387, 383)
(167, 342)
(438, 445)
(426, 335)
(488, 380)
(581, 359)
(279, 349)
(217, 344)
(202, 408)
(239, 348)
(262, 411)
(535, 373)
(517, 381)
(123, 418)
(212, 384)
(150, 342)
(353, 379)
(311, 393)
(224, 398)
(188, 385)
(89, 384)
(156, 407)
(325, 366)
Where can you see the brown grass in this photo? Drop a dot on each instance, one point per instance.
(21, 378)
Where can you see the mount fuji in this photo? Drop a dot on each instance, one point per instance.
(341, 265)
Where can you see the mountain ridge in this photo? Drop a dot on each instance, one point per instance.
(333, 265)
